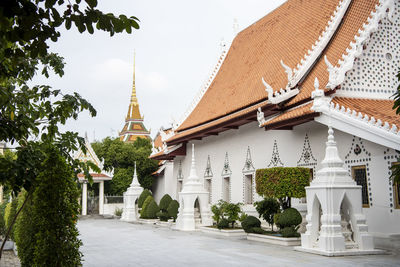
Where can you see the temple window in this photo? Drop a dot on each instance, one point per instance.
(225, 189)
(359, 174)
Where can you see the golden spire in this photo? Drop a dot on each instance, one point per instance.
(134, 100)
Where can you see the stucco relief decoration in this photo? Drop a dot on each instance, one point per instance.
(275, 158)
(260, 117)
(248, 165)
(307, 158)
(227, 170)
(208, 172)
(180, 172)
(337, 73)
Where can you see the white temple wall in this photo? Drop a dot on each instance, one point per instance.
(290, 147)
(158, 187)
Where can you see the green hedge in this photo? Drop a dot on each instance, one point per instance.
(249, 223)
(150, 209)
(9, 214)
(281, 182)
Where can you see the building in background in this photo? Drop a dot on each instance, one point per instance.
(134, 125)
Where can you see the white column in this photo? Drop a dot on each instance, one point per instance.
(84, 198)
(101, 197)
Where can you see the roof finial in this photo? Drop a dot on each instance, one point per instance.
(133, 97)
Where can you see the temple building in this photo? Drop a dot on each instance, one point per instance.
(134, 126)
(306, 66)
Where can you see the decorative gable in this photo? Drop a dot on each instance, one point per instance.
(307, 158)
(208, 173)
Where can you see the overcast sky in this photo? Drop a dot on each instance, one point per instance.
(177, 46)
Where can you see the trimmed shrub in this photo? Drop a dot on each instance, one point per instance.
(249, 223)
(164, 202)
(223, 223)
(289, 217)
(173, 209)
(266, 209)
(151, 210)
(143, 196)
(282, 183)
(289, 232)
(143, 212)
(163, 216)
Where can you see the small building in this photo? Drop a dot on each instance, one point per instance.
(96, 204)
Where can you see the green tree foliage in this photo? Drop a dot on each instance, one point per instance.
(282, 183)
(143, 196)
(225, 210)
(122, 157)
(55, 213)
(173, 209)
(267, 208)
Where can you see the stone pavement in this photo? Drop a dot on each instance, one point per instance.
(114, 243)
(8, 259)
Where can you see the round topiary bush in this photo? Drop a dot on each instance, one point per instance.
(164, 202)
(276, 220)
(143, 196)
(249, 223)
(173, 209)
(143, 212)
(289, 217)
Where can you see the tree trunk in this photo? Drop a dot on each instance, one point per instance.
(12, 224)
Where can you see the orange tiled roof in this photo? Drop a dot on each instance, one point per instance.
(214, 123)
(379, 109)
(284, 34)
(294, 113)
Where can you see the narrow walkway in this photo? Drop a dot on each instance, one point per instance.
(8, 259)
(115, 243)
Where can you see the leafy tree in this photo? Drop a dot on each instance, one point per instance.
(122, 157)
(227, 212)
(266, 209)
(30, 115)
(282, 183)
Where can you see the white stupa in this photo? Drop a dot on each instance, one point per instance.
(336, 224)
(194, 209)
(130, 212)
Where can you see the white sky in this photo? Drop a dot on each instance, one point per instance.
(176, 46)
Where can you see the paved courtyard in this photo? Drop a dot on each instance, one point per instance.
(108, 242)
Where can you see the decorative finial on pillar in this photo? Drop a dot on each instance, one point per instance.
(135, 181)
